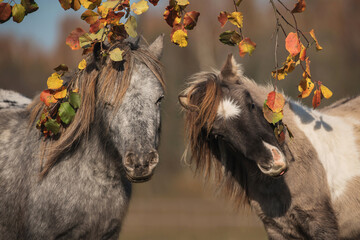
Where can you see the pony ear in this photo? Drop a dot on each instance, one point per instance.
(230, 68)
(157, 46)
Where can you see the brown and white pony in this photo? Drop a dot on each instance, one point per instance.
(319, 195)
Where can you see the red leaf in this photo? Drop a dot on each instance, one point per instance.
(222, 18)
(275, 101)
(95, 27)
(112, 18)
(154, 2)
(190, 19)
(73, 39)
(5, 12)
(47, 98)
(316, 99)
(300, 6)
(292, 44)
(246, 46)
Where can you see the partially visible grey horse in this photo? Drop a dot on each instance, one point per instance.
(86, 174)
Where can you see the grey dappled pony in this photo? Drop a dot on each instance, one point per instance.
(304, 188)
(79, 186)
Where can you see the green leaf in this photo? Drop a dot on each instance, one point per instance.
(66, 112)
(52, 126)
(75, 99)
(230, 38)
(18, 12)
(116, 55)
(130, 26)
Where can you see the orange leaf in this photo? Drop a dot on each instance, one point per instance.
(312, 34)
(73, 39)
(47, 98)
(246, 46)
(316, 99)
(305, 87)
(275, 101)
(302, 53)
(190, 19)
(300, 6)
(5, 12)
(222, 18)
(292, 44)
(307, 70)
(61, 93)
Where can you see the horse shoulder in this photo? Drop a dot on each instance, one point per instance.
(10, 99)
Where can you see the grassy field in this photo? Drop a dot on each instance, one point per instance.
(189, 219)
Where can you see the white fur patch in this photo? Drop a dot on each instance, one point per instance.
(334, 140)
(228, 109)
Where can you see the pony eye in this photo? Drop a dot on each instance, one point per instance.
(252, 106)
(159, 100)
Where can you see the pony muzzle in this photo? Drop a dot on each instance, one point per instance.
(278, 164)
(140, 167)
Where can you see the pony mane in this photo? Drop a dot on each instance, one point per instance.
(203, 96)
(103, 81)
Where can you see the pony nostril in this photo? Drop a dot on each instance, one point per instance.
(153, 158)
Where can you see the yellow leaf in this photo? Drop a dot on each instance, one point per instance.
(89, 4)
(103, 11)
(312, 33)
(54, 81)
(140, 7)
(180, 38)
(76, 90)
(305, 87)
(116, 55)
(246, 46)
(130, 26)
(61, 93)
(236, 18)
(326, 92)
(182, 3)
(82, 64)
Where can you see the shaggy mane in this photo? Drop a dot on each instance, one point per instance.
(103, 81)
(203, 96)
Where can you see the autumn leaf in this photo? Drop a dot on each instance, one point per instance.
(112, 18)
(103, 11)
(110, 4)
(246, 46)
(66, 112)
(325, 91)
(65, 4)
(90, 4)
(130, 26)
(18, 13)
(47, 97)
(179, 37)
(316, 99)
(85, 40)
(305, 87)
(190, 19)
(62, 67)
(154, 2)
(30, 6)
(312, 34)
(89, 16)
(280, 133)
(182, 3)
(171, 16)
(280, 74)
(73, 39)
(222, 18)
(75, 99)
(54, 81)
(95, 27)
(236, 18)
(292, 44)
(275, 101)
(270, 116)
(230, 38)
(307, 73)
(139, 7)
(5, 12)
(300, 6)
(52, 125)
(61, 93)
(302, 52)
(116, 55)
(82, 64)
(76, 5)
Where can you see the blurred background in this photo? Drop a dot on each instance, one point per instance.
(176, 204)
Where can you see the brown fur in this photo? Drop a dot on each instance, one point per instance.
(96, 86)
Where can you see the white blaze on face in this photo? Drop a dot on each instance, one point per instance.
(228, 109)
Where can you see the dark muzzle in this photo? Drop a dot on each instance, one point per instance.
(140, 167)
